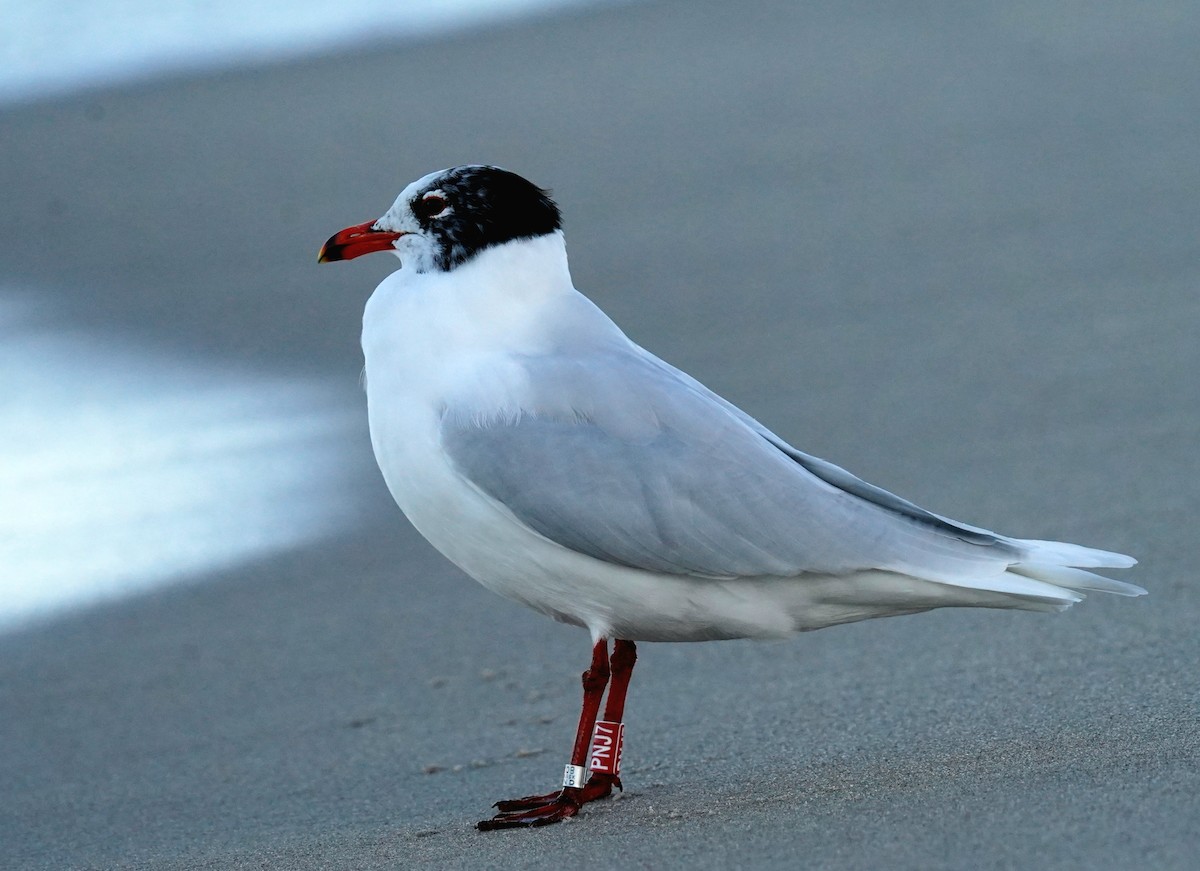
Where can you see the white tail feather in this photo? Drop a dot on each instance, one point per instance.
(1075, 579)
(1022, 586)
(1048, 575)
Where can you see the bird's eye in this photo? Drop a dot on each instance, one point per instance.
(431, 205)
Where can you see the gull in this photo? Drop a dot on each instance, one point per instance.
(566, 468)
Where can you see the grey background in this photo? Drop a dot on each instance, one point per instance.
(952, 247)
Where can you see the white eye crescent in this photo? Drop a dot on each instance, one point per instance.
(433, 205)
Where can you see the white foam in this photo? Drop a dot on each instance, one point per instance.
(123, 468)
(51, 46)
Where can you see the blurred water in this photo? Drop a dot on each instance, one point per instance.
(121, 468)
(124, 467)
(49, 46)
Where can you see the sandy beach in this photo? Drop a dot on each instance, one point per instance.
(952, 248)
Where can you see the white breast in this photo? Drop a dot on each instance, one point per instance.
(438, 343)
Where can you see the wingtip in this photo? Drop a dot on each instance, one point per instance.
(1118, 561)
(1077, 579)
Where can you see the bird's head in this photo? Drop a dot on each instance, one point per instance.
(446, 218)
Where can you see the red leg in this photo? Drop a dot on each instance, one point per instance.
(624, 656)
(540, 810)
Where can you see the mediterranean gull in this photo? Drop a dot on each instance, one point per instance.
(565, 467)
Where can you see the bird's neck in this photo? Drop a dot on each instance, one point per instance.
(508, 277)
(497, 302)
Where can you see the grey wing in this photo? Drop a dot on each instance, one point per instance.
(626, 460)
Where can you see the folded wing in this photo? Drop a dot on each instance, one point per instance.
(621, 457)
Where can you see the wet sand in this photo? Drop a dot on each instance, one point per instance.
(951, 248)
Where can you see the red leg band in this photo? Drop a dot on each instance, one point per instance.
(607, 744)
